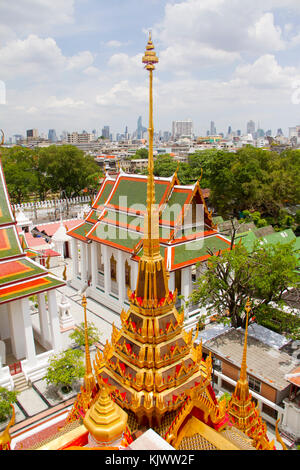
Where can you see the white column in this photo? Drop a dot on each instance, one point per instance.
(4, 322)
(21, 331)
(121, 276)
(94, 262)
(16, 324)
(44, 321)
(172, 281)
(185, 286)
(106, 263)
(28, 332)
(54, 320)
(74, 245)
(83, 255)
(89, 261)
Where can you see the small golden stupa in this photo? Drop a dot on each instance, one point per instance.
(105, 421)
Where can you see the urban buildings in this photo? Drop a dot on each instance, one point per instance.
(182, 129)
(32, 134)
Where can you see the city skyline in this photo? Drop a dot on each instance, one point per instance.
(77, 65)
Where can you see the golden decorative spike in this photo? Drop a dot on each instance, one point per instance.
(65, 273)
(5, 437)
(243, 373)
(89, 380)
(48, 262)
(278, 437)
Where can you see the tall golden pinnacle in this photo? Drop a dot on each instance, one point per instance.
(151, 219)
(89, 380)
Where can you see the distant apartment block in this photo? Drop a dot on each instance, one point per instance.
(32, 134)
(182, 128)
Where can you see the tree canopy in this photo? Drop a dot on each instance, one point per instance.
(54, 169)
(249, 179)
(65, 368)
(234, 276)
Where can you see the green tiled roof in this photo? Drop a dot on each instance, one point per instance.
(247, 239)
(134, 193)
(174, 207)
(17, 270)
(24, 289)
(111, 234)
(106, 192)
(12, 248)
(195, 250)
(283, 237)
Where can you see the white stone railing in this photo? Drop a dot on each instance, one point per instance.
(53, 203)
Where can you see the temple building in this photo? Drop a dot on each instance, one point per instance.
(24, 348)
(151, 376)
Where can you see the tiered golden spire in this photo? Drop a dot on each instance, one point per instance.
(242, 409)
(150, 361)
(89, 380)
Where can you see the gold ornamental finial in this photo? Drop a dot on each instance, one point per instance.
(243, 373)
(89, 380)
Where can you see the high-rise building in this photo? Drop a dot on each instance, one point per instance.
(279, 132)
(182, 128)
(105, 132)
(32, 134)
(52, 135)
(251, 127)
(141, 130)
(213, 130)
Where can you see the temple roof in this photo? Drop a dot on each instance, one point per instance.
(117, 214)
(19, 275)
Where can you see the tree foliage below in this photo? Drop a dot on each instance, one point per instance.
(248, 179)
(7, 398)
(65, 368)
(234, 276)
(54, 169)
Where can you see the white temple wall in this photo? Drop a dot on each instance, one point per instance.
(4, 321)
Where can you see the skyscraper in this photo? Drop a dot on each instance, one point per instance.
(213, 130)
(105, 132)
(251, 127)
(140, 129)
(52, 135)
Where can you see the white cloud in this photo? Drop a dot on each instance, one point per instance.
(265, 32)
(113, 43)
(37, 57)
(54, 102)
(34, 16)
(123, 94)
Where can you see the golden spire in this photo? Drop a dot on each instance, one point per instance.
(150, 59)
(243, 373)
(89, 380)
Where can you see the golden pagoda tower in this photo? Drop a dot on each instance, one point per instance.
(242, 409)
(151, 360)
(89, 389)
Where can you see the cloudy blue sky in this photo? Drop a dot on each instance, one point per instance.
(76, 64)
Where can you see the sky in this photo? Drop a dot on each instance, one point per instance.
(76, 64)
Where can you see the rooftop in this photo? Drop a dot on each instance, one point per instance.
(267, 363)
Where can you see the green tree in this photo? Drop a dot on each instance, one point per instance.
(7, 398)
(65, 368)
(78, 335)
(69, 171)
(21, 180)
(235, 275)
